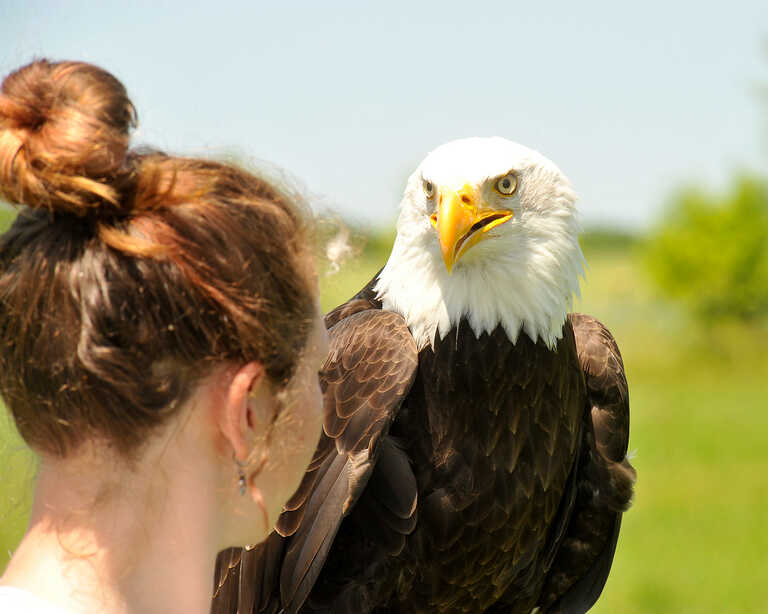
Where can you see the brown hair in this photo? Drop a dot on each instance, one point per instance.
(129, 275)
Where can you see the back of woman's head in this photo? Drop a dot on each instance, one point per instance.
(129, 276)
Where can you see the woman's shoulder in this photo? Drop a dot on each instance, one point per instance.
(17, 601)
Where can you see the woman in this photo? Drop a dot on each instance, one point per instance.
(159, 346)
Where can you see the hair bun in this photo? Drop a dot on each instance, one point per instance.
(64, 137)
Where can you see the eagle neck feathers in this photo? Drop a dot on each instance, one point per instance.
(527, 288)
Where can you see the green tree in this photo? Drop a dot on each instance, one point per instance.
(711, 251)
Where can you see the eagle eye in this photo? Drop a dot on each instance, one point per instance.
(507, 184)
(429, 188)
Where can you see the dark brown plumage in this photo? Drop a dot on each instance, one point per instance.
(475, 476)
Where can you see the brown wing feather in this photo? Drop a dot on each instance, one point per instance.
(604, 477)
(369, 369)
(226, 573)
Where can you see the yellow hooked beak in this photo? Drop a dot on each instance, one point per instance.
(461, 222)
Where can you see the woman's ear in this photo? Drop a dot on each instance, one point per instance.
(243, 400)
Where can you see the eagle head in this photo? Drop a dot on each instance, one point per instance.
(487, 232)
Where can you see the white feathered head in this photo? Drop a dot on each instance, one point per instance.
(488, 232)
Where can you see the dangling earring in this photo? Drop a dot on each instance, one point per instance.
(241, 474)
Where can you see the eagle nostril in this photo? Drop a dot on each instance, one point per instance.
(465, 199)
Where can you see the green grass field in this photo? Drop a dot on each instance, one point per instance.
(695, 540)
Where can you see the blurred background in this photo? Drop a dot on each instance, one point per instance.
(657, 112)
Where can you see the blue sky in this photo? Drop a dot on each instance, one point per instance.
(630, 100)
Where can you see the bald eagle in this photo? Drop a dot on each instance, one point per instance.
(475, 434)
